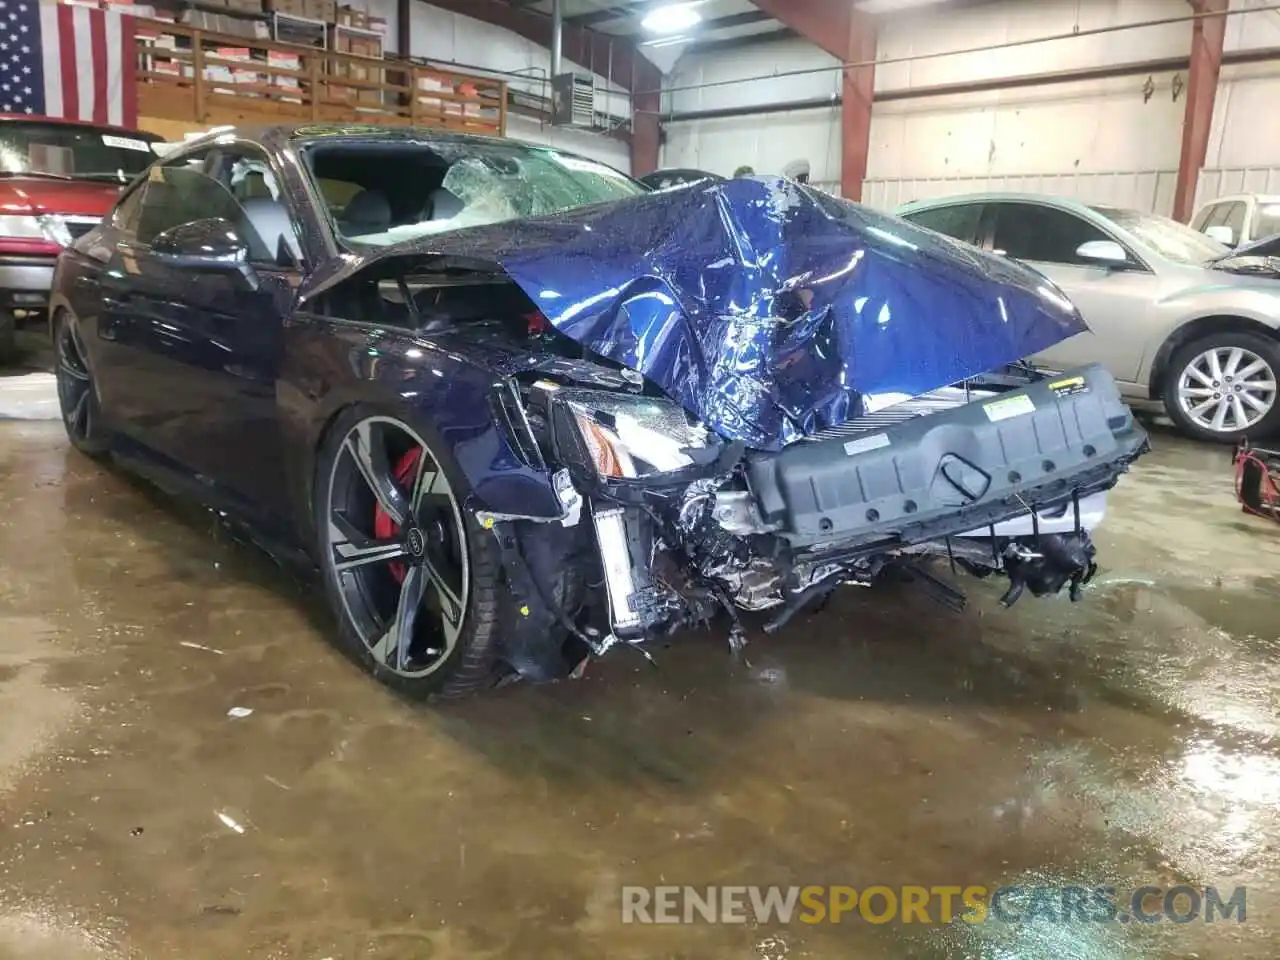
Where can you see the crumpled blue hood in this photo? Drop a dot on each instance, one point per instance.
(771, 310)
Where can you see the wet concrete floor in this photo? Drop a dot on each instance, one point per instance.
(1131, 739)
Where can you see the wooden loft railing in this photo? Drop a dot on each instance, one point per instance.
(189, 75)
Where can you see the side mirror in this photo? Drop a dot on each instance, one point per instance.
(1223, 234)
(1106, 253)
(205, 245)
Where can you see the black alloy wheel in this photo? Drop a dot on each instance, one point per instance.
(412, 580)
(76, 396)
(8, 338)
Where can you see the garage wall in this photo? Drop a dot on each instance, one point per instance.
(767, 142)
(1125, 142)
(616, 153)
(1244, 148)
(452, 38)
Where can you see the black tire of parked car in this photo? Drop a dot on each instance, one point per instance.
(1263, 346)
(471, 665)
(77, 396)
(8, 338)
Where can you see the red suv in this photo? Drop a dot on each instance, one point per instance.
(57, 179)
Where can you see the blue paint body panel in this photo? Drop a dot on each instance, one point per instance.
(768, 309)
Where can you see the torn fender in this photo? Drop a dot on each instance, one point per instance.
(768, 309)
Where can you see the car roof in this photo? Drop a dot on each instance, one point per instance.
(282, 135)
(1043, 199)
(1259, 197)
(320, 132)
(83, 124)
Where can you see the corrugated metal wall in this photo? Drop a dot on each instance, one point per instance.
(1220, 183)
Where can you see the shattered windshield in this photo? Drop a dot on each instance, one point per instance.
(386, 193)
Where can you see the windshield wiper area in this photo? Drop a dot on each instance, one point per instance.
(101, 177)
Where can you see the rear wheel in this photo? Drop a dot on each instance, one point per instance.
(1223, 387)
(77, 398)
(8, 338)
(413, 581)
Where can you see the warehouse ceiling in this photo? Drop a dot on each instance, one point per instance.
(725, 23)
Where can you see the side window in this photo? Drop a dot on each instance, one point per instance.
(1205, 217)
(180, 193)
(233, 183)
(1028, 231)
(125, 216)
(1235, 220)
(958, 220)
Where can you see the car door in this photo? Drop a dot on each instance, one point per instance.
(1116, 301)
(201, 347)
(1207, 216)
(1234, 220)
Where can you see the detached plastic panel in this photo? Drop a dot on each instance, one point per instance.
(950, 471)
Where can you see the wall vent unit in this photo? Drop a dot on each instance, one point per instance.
(573, 100)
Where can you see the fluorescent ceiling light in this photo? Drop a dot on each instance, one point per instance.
(666, 42)
(671, 18)
(890, 6)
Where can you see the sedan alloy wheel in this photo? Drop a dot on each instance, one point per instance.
(397, 547)
(1227, 389)
(76, 397)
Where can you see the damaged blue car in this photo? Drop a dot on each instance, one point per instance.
(520, 410)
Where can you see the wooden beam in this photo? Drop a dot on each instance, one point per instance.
(1207, 36)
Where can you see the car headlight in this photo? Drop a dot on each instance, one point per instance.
(49, 227)
(628, 437)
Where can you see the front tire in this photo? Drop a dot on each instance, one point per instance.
(1222, 387)
(77, 396)
(413, 581)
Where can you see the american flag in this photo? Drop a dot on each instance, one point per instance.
(69, 61)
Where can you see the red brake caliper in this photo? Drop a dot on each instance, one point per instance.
(384, 528)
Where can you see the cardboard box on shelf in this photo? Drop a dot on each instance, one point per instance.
(378, 25)
(352, 17)
(289, 8)
(358, 45)
(428, 105)
(221, 23)
(286, 61)
(469, 90)
(244, 6)
(325, 10)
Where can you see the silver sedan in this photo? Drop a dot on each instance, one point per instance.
(1181, 321)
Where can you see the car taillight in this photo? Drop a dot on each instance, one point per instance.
(33, 235)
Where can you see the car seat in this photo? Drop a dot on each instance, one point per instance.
(445, 204)
(270, 220)
(369, 211)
